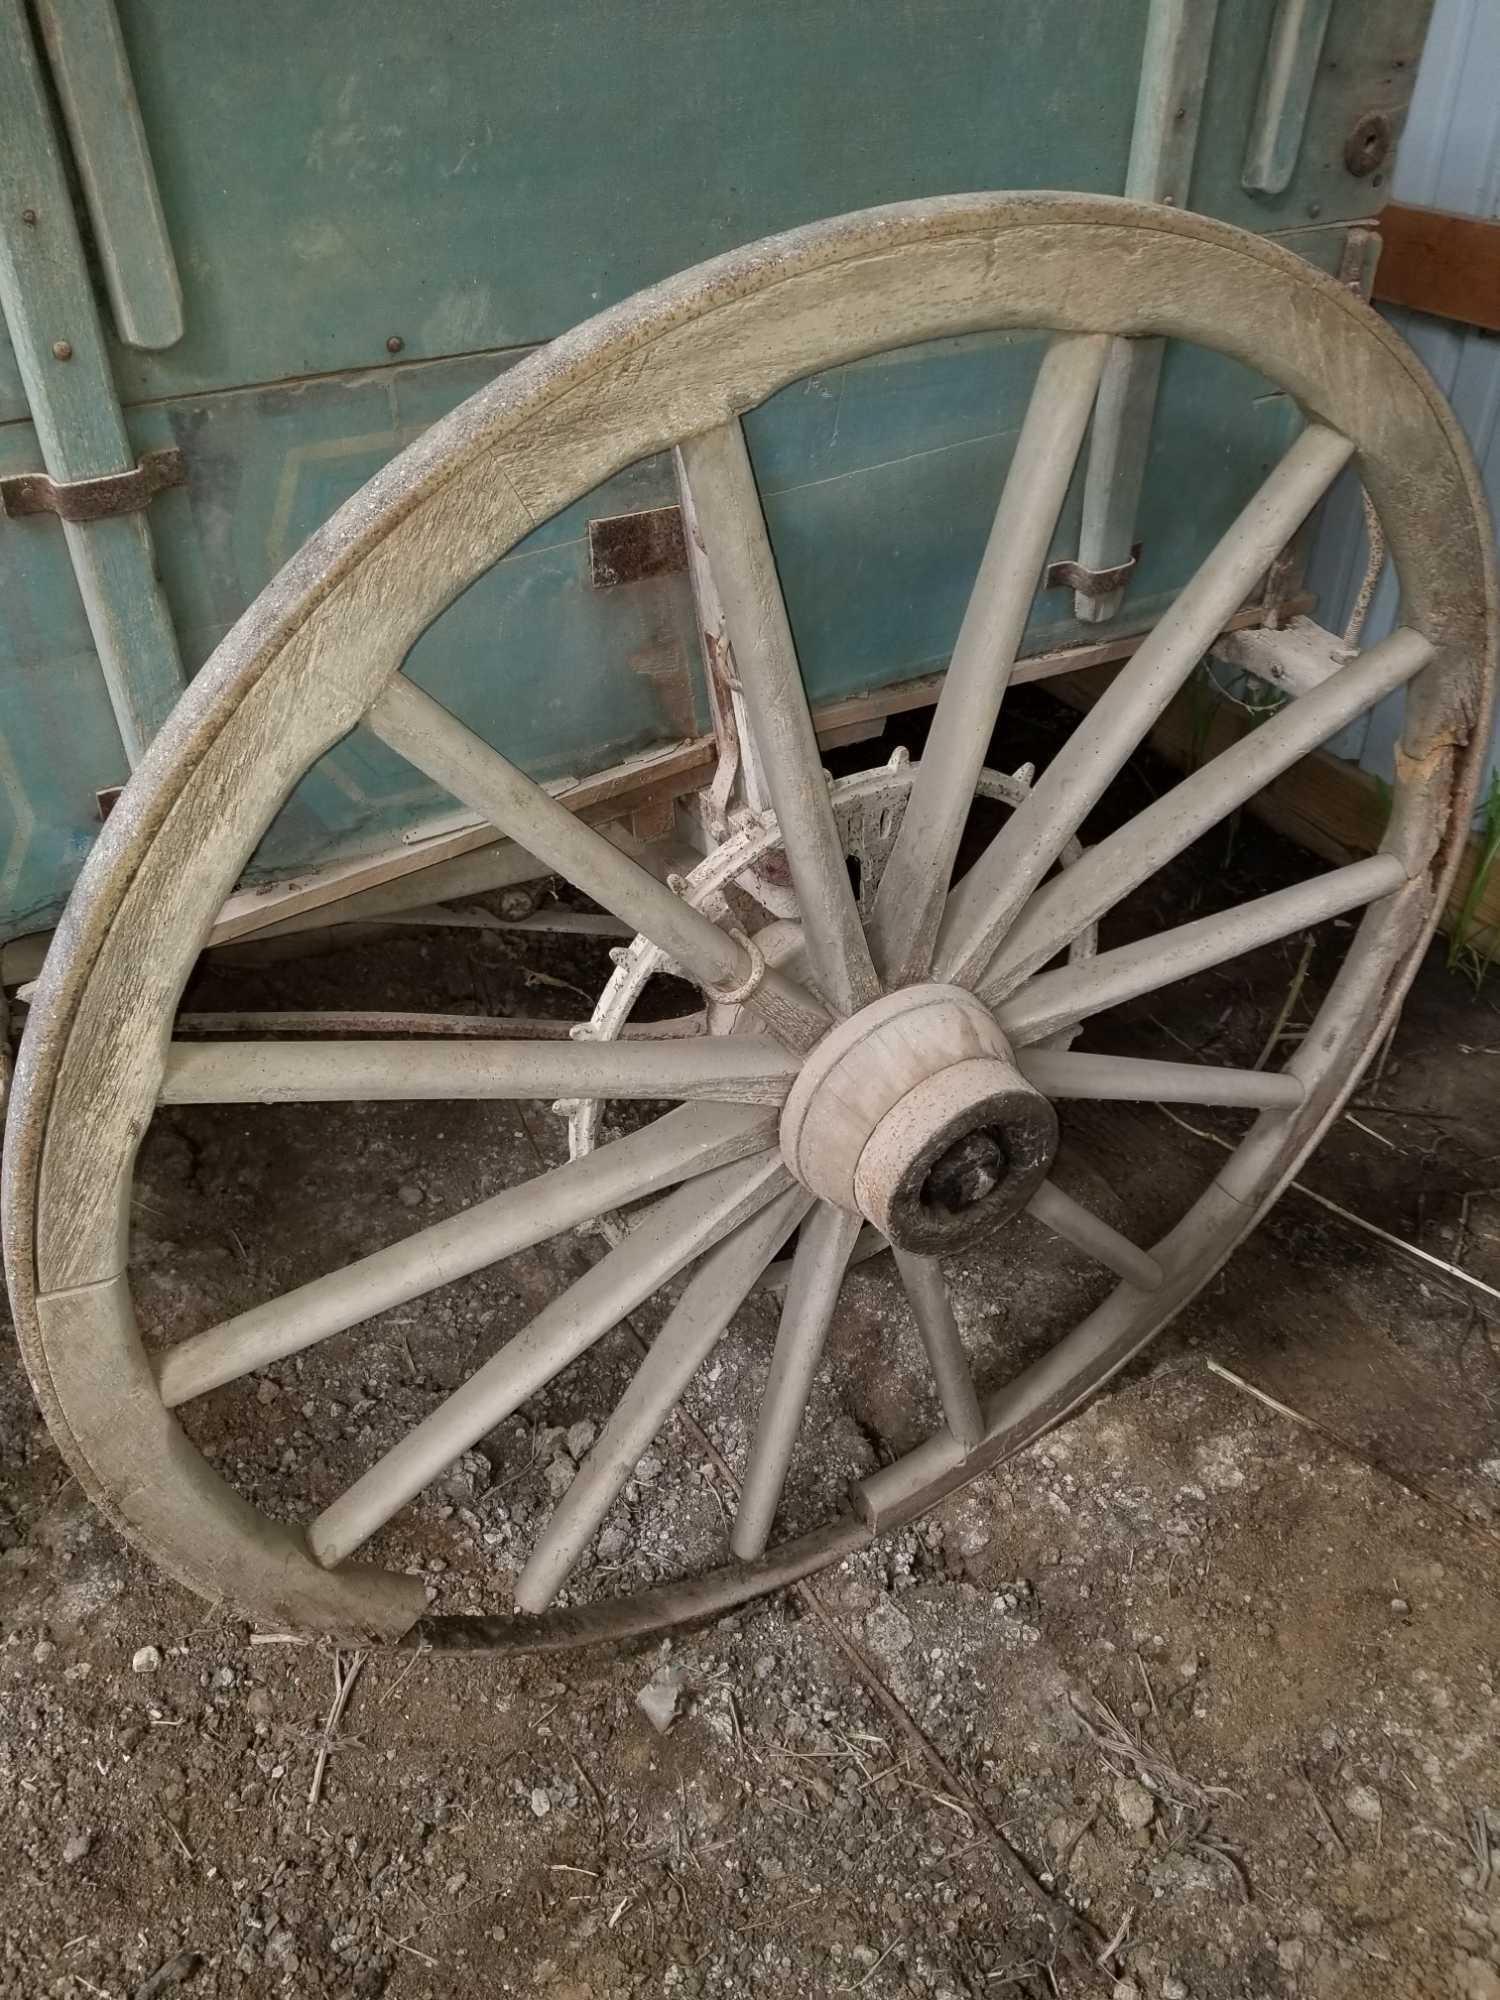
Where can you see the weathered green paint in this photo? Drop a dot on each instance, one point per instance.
(58, 343)
(1291, 64)
(94, 87)
(483, 174)
(470, 179)
(1168, 110)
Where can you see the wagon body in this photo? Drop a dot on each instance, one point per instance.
(367, 212)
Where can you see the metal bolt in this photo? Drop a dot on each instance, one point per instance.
(63, 349)
(395, 344)
(28, 216)
(1367, 144)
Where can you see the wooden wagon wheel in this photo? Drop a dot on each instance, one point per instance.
(904, 1083)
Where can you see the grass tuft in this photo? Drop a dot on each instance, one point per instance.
(1472, 950)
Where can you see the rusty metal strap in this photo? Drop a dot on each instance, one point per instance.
(1090, 582)
(94, 499)
(628, 548)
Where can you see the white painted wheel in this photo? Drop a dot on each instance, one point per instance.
(909, 1071)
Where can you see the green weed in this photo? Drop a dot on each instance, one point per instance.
(1470, 950)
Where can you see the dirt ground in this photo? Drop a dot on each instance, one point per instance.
(1223, 1686)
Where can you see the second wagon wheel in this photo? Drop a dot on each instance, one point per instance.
(898, 1056)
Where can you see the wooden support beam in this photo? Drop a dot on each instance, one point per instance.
(1437, 262)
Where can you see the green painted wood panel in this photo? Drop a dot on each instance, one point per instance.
(58, 341)
(58, 740)
(484, 174)
(470, 179)
(879, 481)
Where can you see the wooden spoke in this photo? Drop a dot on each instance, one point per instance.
(333, 1022)
(1089, 1233)
(692, 1141)
(927, 1293)
(716, 1291)
(716, 468)
(1070, 993)
(727, 1068)
(1108, 871)
(465, 765)
(679, 1228)
(909, 902)
(990, 897)
(1062, 1073)
(812, 1292)
(869, 1243)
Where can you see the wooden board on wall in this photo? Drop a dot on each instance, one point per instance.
(1436, 262)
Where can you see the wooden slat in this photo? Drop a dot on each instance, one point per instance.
(65, 371)
(92, 73)
(681, 767)
(1437, 262)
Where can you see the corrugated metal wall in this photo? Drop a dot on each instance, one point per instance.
(1449, 158)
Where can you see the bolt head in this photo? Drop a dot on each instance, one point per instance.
(63, 350)
(394, 344)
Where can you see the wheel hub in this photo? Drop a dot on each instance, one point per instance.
(912, 1113)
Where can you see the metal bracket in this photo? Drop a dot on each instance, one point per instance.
(628, 548)
(1358, 259)
(94, 499)
(1075, 576)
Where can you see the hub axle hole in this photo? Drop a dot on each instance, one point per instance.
(971, 1169)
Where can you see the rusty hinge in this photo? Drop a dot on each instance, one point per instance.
(94, 499)
(1090, 582)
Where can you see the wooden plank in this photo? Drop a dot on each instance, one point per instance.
(1169, 101)
(1286, 87)
(64, 366)
(1437, 262)
(835, 717)
(1324, 803)
(623, 788)
(673, 772)
(633, 788)
(98, 98)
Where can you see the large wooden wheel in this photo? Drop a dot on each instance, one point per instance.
(896, 1064)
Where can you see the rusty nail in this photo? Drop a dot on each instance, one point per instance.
(63, 349)
(395, 344)
(28, 215)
